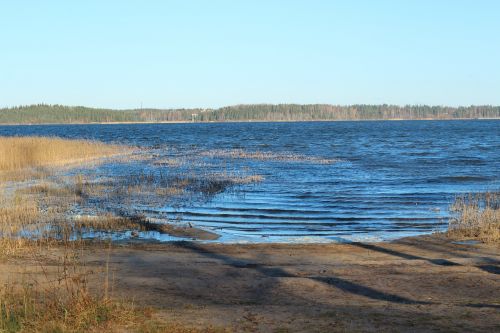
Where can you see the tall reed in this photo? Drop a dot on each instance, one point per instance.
(476, 216)
(26, 152)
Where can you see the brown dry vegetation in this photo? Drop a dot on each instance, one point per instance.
(62, 303)
(57, 302)
(477, 217)
(28, 152)
(15, 216)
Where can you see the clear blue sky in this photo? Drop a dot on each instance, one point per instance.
(215, 53)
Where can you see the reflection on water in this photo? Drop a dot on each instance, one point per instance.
(316, 181)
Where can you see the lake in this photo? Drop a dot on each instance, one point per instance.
(321, 181)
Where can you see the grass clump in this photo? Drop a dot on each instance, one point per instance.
(30, 310)
(477, 216)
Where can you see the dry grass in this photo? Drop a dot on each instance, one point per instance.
(16, 216)
(18, 153)
(61, 300)
(49, 189)
(58, 297)
(105, 222)
(33, 212)
(477, 217)
(65, 306)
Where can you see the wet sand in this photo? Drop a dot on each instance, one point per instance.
(413, 284)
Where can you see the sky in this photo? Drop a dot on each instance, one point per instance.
(169, 54)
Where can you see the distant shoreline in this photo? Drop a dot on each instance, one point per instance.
(60, 114)
(239, 121)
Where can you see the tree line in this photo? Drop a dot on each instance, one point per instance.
(43, 113)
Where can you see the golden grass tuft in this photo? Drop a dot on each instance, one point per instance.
(18, 153)
(17, 217)
(477, 217)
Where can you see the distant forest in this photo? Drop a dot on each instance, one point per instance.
(44, 114)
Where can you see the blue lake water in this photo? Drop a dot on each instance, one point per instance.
(387, 179)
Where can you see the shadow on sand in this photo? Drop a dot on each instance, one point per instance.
(345, 285)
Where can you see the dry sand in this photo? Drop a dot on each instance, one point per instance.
(413, 284)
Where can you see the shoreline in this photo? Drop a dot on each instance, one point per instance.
(239, 121)
(192, 232)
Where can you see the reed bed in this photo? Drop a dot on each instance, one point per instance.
(171, 187)
(18, 153)
(477, 216)
(266, 156)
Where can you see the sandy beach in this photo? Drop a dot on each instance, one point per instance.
(414, 284)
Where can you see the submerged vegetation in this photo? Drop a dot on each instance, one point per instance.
(266, 156)
(42, 113)
(477, 216)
